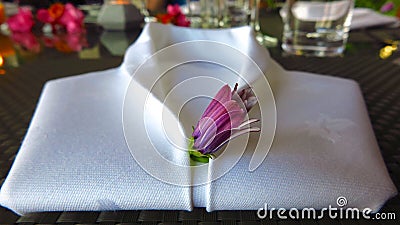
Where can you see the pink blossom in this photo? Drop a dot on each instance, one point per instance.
(175, 16)
(72, 19)
(22, 21)
(26, 40)
(387, 7)
(73, 27)
(222, 121)
(174, 10)
(43, 16)
(76, 41)
(66, 42)
(182, 21)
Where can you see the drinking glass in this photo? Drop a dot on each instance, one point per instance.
(316, 27)
(227, 13)
(221, 13)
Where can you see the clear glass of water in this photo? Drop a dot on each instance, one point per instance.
(237, 13)
(221, 13)
(316, 27)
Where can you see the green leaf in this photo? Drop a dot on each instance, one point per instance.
(196, 155)
(199, 159)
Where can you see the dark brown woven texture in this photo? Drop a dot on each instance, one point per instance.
(379, 81)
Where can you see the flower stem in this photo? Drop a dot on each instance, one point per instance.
(196, 155)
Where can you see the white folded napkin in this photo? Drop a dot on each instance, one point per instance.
(364, 17)
(74, 155)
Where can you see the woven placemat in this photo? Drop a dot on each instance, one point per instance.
(379, 80)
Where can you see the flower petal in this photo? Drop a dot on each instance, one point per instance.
(248, 122)
(223, 95)
(233, 118)
(222, 116)
(248, 98)
(215, 108)
(207, 129)
(182, 21)
(43, 16)
(209, 141)
(174, 10)
(56, 10)
(217, 141)
(235, 135)
(22, 21)
(224, 137)
(223, 119)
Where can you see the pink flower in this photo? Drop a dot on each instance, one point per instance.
(72, 19)
(174, 10)
(66, 42)
(182, 21)
(76, 41)
(222, 121)
(22, 21)
(43, 16)
(26, 40)
(174, 15)
(73, 28)
(52, 14)
(387, 7)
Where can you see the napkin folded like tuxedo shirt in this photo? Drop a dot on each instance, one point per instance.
(364, 17)
(75, 156)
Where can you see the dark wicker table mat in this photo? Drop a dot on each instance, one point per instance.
(379, 80)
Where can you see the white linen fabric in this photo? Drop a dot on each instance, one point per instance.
(74, 155)
(324, 148)
(364, 17)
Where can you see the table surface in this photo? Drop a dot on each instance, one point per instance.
(20, 88)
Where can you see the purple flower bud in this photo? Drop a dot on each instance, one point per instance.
(223, 120)
(387, 7)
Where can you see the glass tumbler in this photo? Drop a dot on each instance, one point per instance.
(316, 27)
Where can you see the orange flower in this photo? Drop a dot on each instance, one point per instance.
(56, 10)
